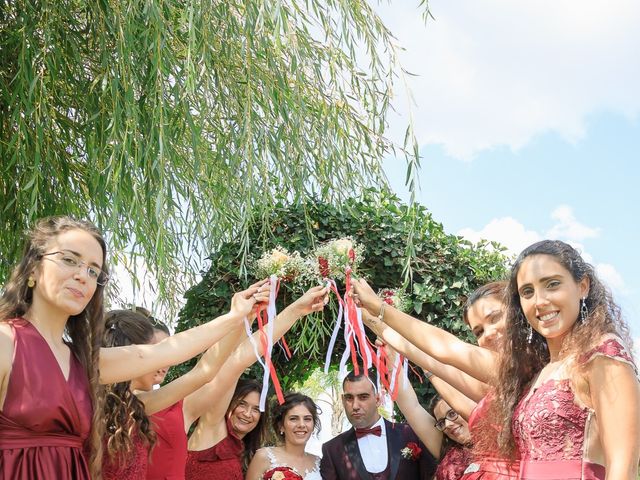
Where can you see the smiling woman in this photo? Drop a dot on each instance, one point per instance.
(566, 355)
(293, 422)
(51, 313)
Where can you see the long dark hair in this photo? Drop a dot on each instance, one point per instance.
(520, 360)
(291, 400)
(491, 289)
(124, 413)
(256, 437)
(83, 331)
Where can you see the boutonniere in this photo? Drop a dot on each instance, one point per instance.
(411, 451)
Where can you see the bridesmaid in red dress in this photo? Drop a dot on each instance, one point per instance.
(557, 309)
(569, 396)
(230, 428)
(458, 385)
(51, 317)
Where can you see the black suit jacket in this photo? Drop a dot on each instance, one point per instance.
(341, 458)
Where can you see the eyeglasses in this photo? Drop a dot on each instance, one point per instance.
(451, 415)
(70, 261)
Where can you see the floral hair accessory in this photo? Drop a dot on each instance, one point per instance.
(412, 451)
(281, 473)
(279, 262)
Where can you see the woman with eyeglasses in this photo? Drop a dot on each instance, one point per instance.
(445, 433)
(51, 363)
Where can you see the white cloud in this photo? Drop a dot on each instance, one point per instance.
(568, 228)
(515, 236)
(498, 73)
(610, 276)
(508, 231)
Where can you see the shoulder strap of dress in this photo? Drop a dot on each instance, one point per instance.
(611, 347)
(271, 456)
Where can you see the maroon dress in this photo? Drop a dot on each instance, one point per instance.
(488, 466)
(557, 436)
(131, 467)
(45, 419)
(454, 463)
(169, 455)
(223, 461)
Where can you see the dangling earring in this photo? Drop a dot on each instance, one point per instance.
(530, 336)
(31, 282)
(282, 433)
(584, 311)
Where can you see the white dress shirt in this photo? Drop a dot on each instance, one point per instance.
(373, 449)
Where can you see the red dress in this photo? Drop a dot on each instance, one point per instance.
(223, 461)
(45, 419)
(490, 466)
(556, 435)
(169, 455)
(131, 467)
(454, 463)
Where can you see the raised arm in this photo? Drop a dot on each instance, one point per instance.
(208, 365)
(456, 399)
(464, 384)
(615, 394)
(422, 423)
(124, 363)
(440, 344)
(222, 386)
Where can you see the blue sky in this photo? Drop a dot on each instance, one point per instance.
(528, 117)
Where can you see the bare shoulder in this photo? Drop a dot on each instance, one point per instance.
(6, 358)
(6, 346)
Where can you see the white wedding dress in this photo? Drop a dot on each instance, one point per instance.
(306, 475)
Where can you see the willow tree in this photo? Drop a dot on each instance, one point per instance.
(171, 122)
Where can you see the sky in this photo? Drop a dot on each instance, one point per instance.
(528, 120)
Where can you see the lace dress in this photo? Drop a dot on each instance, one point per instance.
(454, 463)
(278, 471)
(487, 466)
(223, 461)
(557, 436)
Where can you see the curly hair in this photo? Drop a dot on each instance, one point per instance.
(521, 360)
(83, 331)
(124, 414)
(293, 399)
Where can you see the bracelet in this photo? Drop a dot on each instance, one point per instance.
(428, 374)
(381, 314)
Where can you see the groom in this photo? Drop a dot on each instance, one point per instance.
(373, 449)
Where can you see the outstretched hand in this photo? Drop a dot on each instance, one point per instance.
(365, 297)
(313, 300)
(242, 303)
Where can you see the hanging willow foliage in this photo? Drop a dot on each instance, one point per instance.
(170, 123)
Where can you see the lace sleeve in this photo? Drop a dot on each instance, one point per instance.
(611, 347)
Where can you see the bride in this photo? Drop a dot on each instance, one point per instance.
(294, 421)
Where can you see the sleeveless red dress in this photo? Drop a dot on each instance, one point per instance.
(454, 463)
(557, 437)
(223, 461)
(132, 467)
(45, 419)
(489, 466)
(169, 455)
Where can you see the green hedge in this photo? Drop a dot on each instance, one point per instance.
(445, 268)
